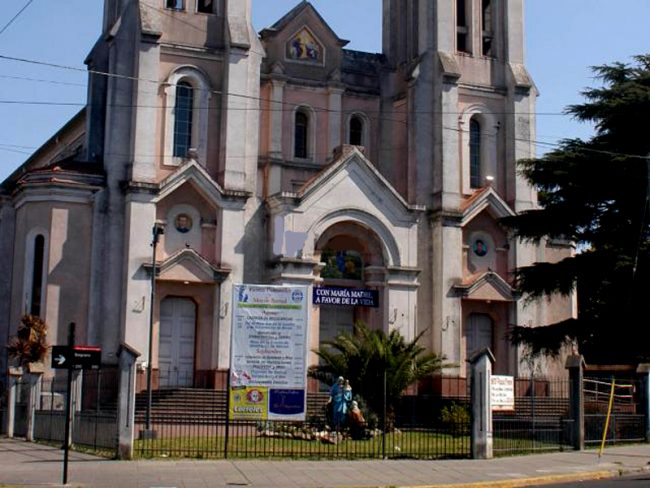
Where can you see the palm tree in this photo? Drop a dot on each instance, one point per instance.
(363, 356)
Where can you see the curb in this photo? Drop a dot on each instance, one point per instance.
(538, 480)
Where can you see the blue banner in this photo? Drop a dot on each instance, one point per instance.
(345, 297)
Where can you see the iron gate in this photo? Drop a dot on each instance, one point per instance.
(622, 400)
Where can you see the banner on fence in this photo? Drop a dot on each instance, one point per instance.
(268, 358)
(502, 393)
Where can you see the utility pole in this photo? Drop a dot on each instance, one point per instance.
(148, 433)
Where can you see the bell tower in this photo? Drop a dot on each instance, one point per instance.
(458, 112)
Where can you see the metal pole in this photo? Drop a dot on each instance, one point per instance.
(383, 430)
(156, 232)
(68, 405)
(227, 433)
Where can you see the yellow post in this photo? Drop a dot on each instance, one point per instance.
(609, 413)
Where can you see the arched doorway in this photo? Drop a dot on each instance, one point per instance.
(177, 342)
(349, 253)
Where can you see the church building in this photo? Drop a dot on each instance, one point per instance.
(216, 155)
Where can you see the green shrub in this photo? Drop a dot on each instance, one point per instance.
(456, 418)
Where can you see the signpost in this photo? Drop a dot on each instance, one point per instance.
(72, 358)
(76, 357)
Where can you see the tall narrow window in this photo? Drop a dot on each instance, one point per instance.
(356, 131)
(462, 44)
(301, 132)
(174, 4)
(205, 6)
(183, 119)
(37, 276)
(474, 154)
(487, 26)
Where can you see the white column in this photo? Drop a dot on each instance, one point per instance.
(277, 112)
(335, 117)
(482, 439)
(232, 255)
(126, 402)
(147, 112)
(447, 310)
(140, 218)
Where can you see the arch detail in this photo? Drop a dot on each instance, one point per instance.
(200, 84)
(390, 249)
(488, 145)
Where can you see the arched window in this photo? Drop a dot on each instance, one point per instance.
(183, 113)
(356, 131)
(474, 153)
(174, 4)
(187, 105)
(487, 27)
(301, 134)
(36, 290)
(462, 32)
(205, 6)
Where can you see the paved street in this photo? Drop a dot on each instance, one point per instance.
(23, 463)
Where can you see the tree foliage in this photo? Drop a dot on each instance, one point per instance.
(362, 356)
(594, 193)
(29, 345)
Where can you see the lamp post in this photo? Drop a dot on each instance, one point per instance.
(148, 433)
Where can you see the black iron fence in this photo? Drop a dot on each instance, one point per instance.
(190, 422)
(94, 405)
(422, 428)
(540, 420)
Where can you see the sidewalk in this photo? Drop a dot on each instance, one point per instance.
(23, 463)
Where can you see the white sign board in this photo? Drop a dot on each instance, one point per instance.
(268, 358)
(502, 393)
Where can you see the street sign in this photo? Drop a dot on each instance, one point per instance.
(86, 357)
(60, 357)
(77, 357)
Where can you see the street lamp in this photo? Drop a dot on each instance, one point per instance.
(156, 232)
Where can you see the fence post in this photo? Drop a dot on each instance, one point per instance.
(575, 364)
(481, 364)
(34, 376)
(10, 417)
(644, 372)
(126, 401)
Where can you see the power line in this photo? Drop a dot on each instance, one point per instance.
(6, 26)
(265, 109)
(260, 99)
(220, 92)
(41, 80)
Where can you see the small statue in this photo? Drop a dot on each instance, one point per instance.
(340, 396)
(357, 422)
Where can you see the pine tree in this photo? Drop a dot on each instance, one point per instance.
(594, 193)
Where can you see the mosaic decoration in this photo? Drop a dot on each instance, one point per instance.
(345, 265)
(480, 248)
(304, 47)
(183, 223)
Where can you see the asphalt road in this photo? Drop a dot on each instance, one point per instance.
(642, 481)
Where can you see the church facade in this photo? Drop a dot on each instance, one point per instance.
(281, 157)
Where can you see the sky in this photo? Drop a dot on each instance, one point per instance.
(563, 39)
